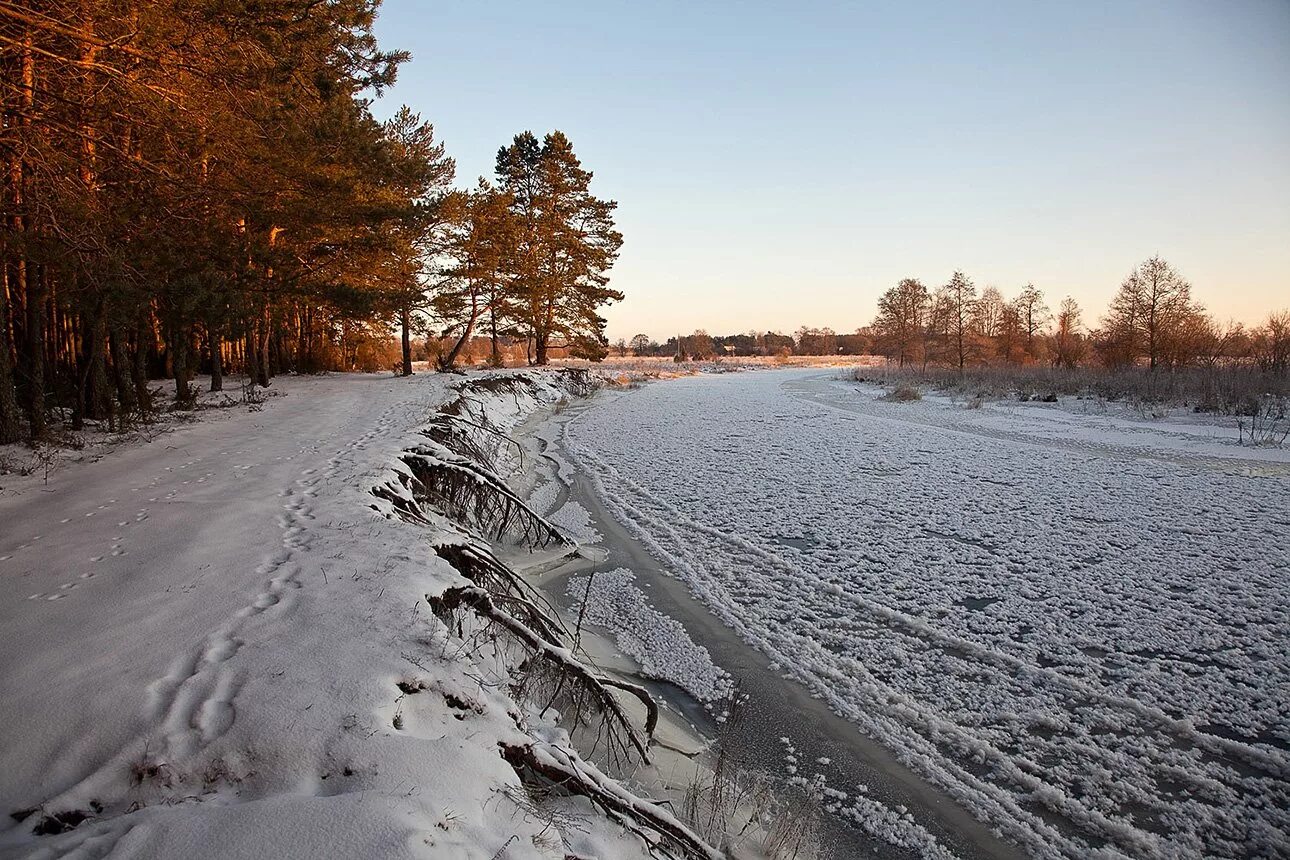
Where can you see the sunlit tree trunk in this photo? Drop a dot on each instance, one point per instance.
(450, 360)
(406, 321)
(496, 354)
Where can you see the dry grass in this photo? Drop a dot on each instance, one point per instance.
(747, 812)
(903, 393)
(1267, 425)
(1239, 391)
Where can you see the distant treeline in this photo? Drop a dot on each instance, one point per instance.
(701, 346)
(201, 185)
(1152, 322)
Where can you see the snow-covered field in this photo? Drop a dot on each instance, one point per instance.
(217, 643)
(1075, 622)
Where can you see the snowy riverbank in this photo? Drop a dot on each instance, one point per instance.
(285, 633)
(220, 644)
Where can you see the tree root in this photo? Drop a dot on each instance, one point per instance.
(562, 661)
(453, 473)
(473, 495)
(657, 827)
(525, 602)
(443, 430)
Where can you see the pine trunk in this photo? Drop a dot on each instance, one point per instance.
(36, 351)
(120, 372)
(262, 347)
(249, 355)
(9, 429)
(450, 360)
(216, 346)
(139, 368)
(98, 395)
(495, 357)
(540, 348)
(179, 366)
(407, 340)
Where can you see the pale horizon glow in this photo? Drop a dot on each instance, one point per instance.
(778, 167)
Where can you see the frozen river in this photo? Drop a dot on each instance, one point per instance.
(1073, 623)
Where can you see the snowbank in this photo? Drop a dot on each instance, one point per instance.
(220, 644)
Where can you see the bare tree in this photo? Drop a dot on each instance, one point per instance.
(987, 314)
(1153, 300)
(1069, 344)
(902, 311)
(960, 302)
(698, 345)
(1009, 339)
(1033, 314)
(1271, 343)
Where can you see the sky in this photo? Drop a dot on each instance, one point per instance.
(782, 164)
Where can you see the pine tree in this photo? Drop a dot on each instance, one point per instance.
(474, 284)
(198, 183)
(566, 244)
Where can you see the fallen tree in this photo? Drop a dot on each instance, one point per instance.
(471, 494)
(564, 769)
(596, 686)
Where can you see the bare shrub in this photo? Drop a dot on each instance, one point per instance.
(47, 454)
(1221, 389)
(1266, 424)
(793, 830)
(538, 805)
(1153, 411)
(252, 394)
(903, 394)
(148, 769)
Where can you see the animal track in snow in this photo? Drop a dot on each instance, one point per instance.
(217, 714)
(221, 650)
(195, 699)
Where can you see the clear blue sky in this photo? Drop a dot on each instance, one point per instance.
(779, 165)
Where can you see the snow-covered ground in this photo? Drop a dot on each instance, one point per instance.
(1073, 621)
(217, 644)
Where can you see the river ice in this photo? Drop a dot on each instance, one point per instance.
(1073, 621)
(660, 645)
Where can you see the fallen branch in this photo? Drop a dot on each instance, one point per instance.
(563, 767)
(463, 490)
(559, 658)
(483, 569)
